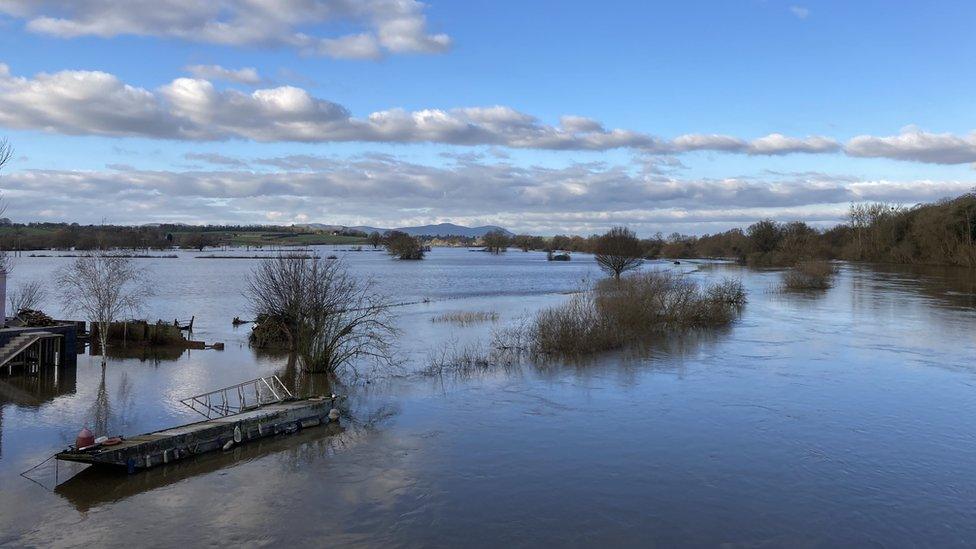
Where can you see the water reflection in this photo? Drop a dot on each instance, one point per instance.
(34, 387)
(96, 486)
(299, 380)
(953, 287)
(144, 353)
(106, 418)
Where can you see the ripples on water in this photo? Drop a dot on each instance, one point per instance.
(819, 419)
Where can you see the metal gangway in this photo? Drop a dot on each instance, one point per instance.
(239, 398)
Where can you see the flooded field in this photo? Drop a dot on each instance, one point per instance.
(818, 419)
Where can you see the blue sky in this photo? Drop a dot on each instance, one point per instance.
(865, 100)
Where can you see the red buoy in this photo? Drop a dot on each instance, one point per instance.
(85, 439)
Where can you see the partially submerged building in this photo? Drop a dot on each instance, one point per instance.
(28, 348)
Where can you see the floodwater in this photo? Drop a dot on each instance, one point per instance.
(837, 418)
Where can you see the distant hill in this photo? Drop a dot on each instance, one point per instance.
(441, 229)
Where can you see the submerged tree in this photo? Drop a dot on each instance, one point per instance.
(618, 251)
(198, 240)
(400, 244)
(496, 241)
(375, 239)
(103, 287)
(317, 309)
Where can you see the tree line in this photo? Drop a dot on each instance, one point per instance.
(941, 233)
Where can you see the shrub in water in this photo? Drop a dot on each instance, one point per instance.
(617, 313)
(810, 275)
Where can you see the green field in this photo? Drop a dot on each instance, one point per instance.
(65, 236)
(280, 238)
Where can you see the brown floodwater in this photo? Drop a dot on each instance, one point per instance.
(818, 419)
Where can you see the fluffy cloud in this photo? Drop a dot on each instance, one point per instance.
(776, 143)
(97, 103)
(387, 191)
(772, 144)
(389, 26)
(246, 75)
(917, 145)
(82, 103)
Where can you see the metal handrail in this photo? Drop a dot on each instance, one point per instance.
(235, 399)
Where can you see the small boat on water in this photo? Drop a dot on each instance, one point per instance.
(235, 415)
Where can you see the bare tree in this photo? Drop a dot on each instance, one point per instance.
(6, 152)
(325, 314)
(6, 265)
(103, 287)
(858, 216)
(27, 296)
(375, 239)
(618, 251)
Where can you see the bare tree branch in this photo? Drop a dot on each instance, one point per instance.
(103, 287)
(6, 152)
(27, 296)
(318, 309)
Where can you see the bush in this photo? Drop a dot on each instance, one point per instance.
(618, 313)
(404, 246)
(810, 275)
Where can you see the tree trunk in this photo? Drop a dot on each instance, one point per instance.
(103, 340)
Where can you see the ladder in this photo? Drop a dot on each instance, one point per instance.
(19, 344)
(239, 398)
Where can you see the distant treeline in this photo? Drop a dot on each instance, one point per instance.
(943, 233)
(67, 236)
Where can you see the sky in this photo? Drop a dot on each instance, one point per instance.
(543, 116)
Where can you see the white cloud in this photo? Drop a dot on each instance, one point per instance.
(709, 142)
(916, 145)
(246, 75)
(580, 124)
(98, 103)
(82, 103)
(388, 26)
(800, 12)
(577, 198)
(772, 144)
(776, 143)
